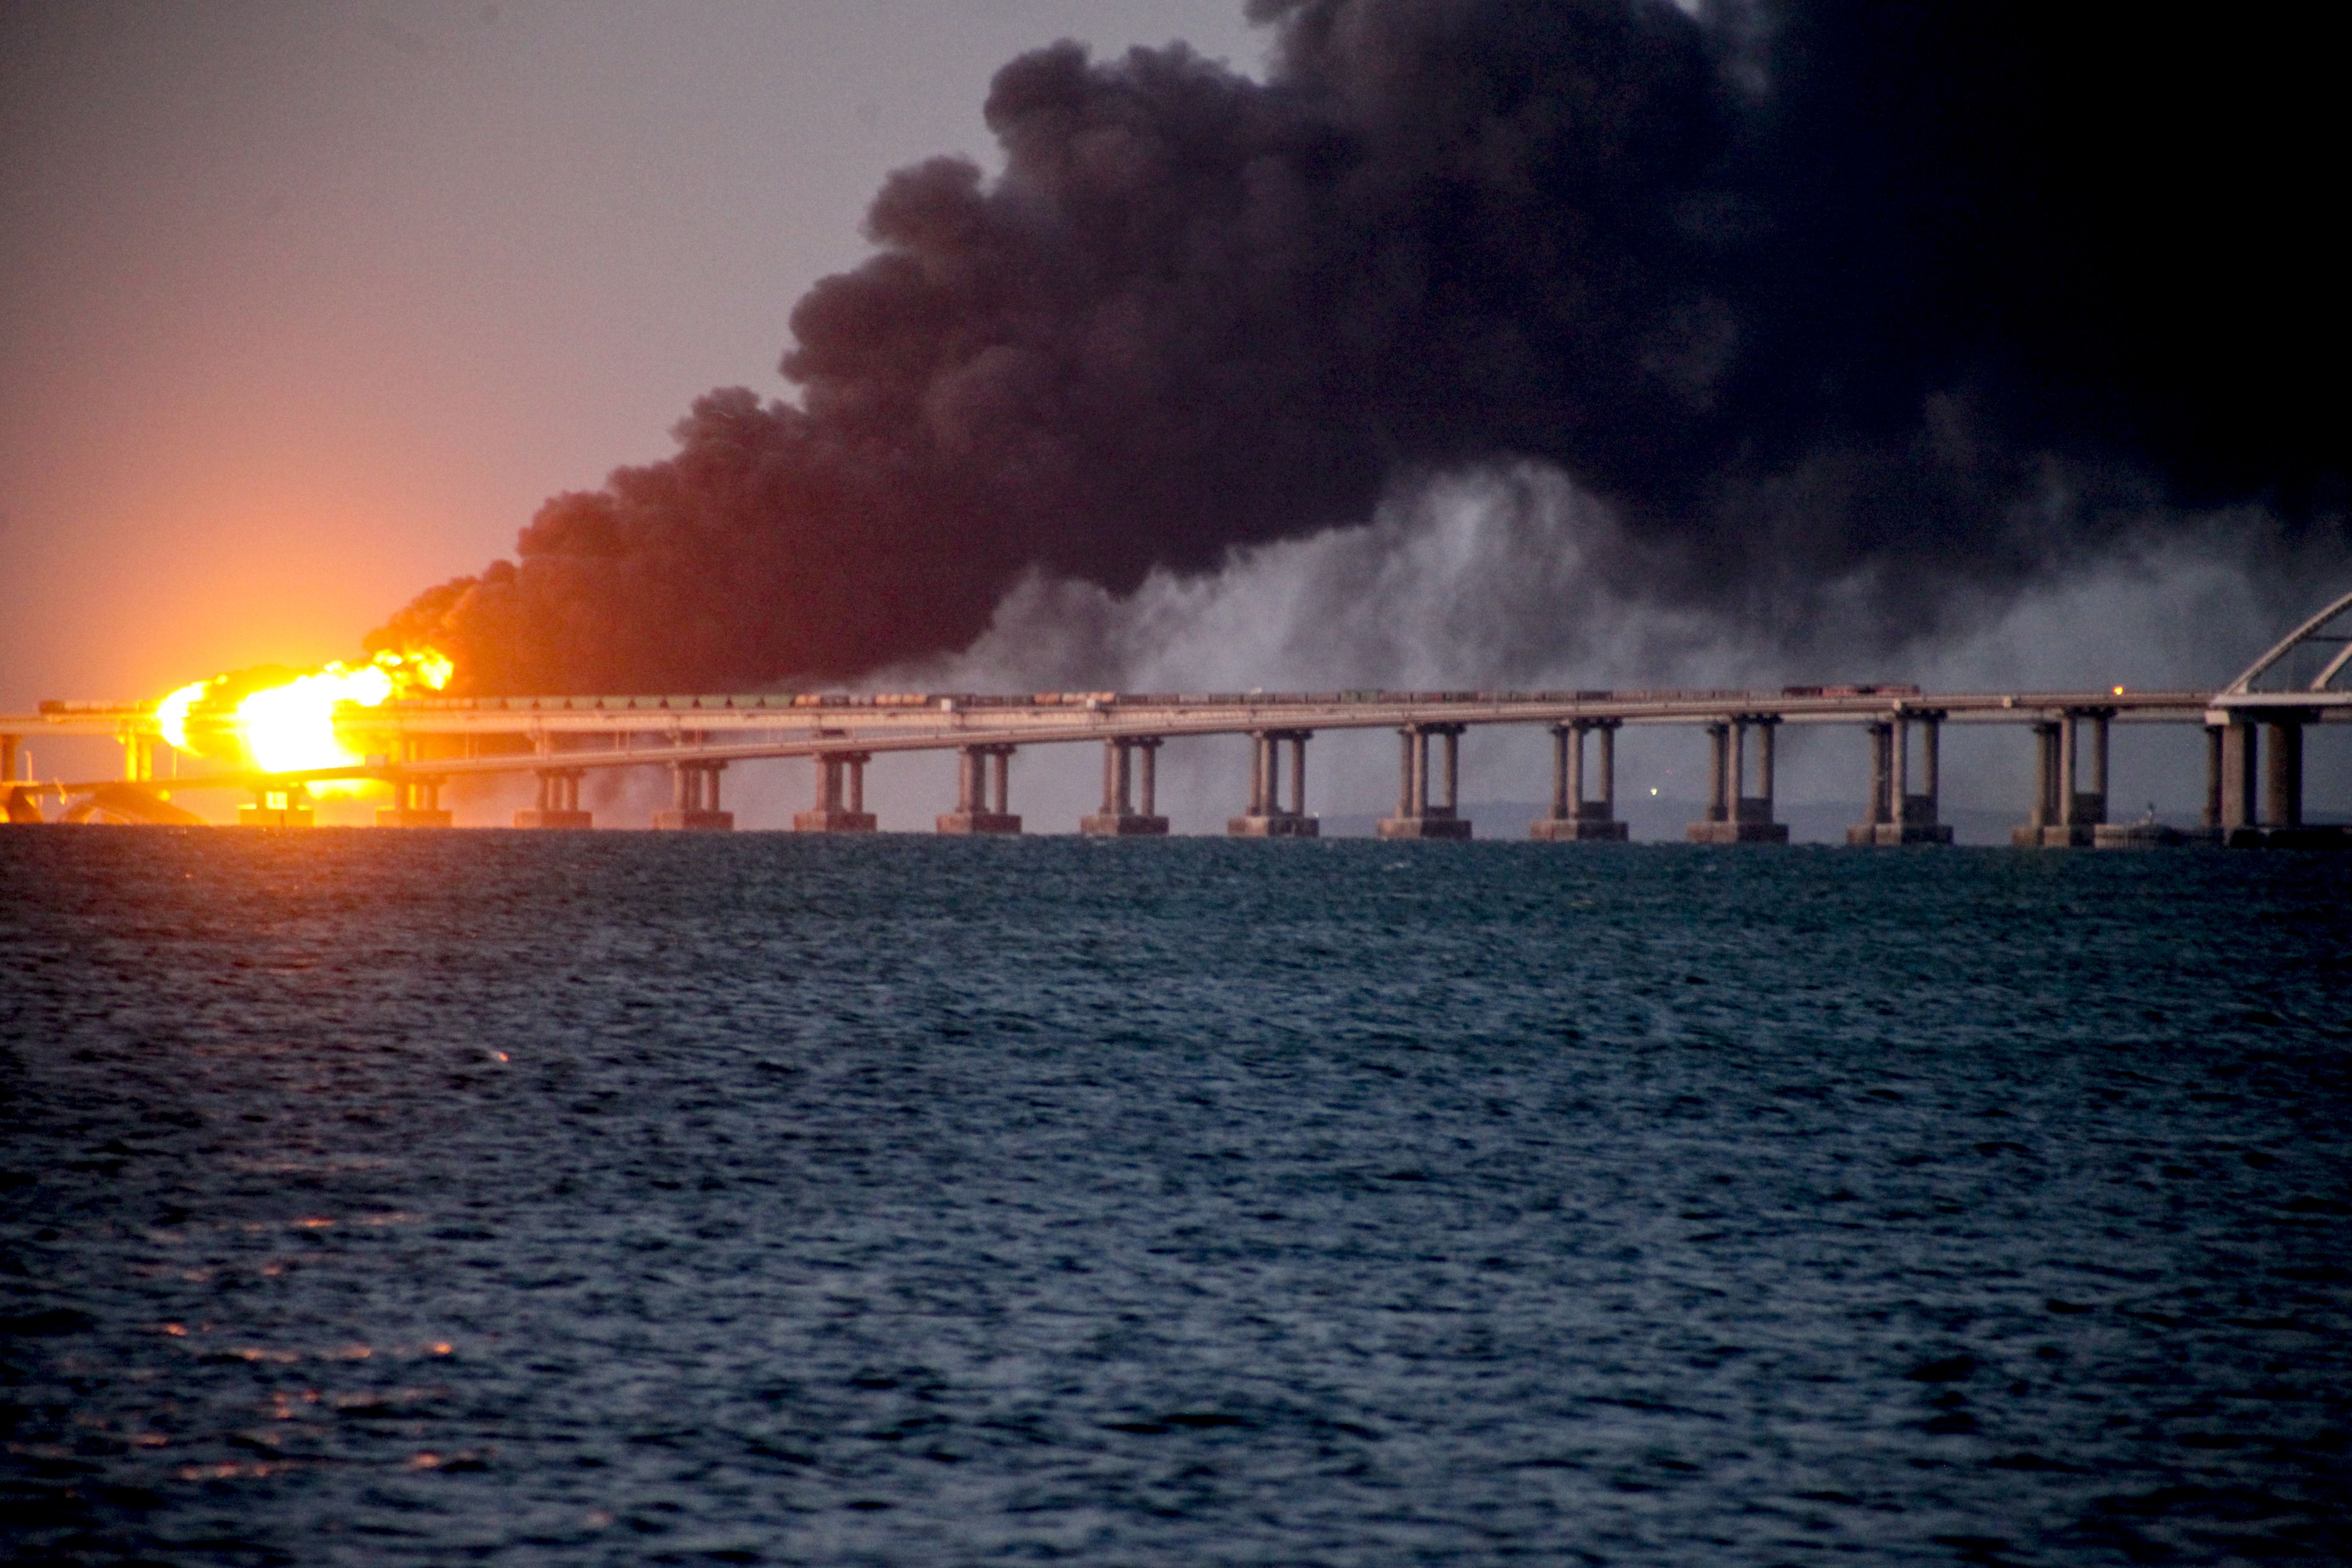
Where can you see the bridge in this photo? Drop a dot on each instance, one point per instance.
(2254, 730)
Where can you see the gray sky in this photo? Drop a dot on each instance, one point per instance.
(308, 306)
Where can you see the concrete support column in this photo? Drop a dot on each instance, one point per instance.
(1898, 815)
(1898, 769)
(1882, 765)
(2069, 749)
(1418, 816)
(1735, 771)
(2241, 796)
(1735, 817)
(1268, 818)
(1718, 750)
(2099, 726)
(1573, 818)
(840, 805)
(2064, 813)
(694, 799)
(980, 805)
(2045, 776)
(2213, 774)
(416, 799)
(1129, 770)
(1931, 763)
(2282, 779)
(288, 806)
(1119, 779)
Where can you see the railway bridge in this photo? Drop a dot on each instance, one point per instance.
(2254, 730)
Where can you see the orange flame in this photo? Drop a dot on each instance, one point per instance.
(291, 723)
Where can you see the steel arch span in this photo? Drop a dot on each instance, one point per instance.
(2315, 657)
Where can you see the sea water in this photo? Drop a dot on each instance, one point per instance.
(431, 1197)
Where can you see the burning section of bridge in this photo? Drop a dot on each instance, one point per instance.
(278, 720)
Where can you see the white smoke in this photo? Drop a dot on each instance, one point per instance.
(1484, 579)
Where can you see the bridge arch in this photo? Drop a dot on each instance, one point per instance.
(2314, 656)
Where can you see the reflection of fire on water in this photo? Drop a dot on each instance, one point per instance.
(276, 723)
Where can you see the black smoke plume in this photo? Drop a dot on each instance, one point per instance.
(1906, 298)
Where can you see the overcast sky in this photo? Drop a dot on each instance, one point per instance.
(308, 306)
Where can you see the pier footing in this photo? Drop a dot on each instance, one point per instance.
(690, 821)
(1424, 827)
(1123, 825)
(1277, 825)
(532, 817)
(2149, 836)
(1572, 830)
(829, 819)
(1744, 833)
(1889, 833)
(397, 816)
(972, 822)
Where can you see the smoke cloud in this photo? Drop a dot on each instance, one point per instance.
(1832, 320)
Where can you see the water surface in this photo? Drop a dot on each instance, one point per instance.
(435, 1197)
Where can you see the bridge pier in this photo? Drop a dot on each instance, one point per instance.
(694, 800)
(416, 801)
(2045, 814)
(1417, 815)
(559, 801)
(2282, 779)
(2253, 783)
(1733, 815)
(1131, 770)
(840, 795)
(1574, 819)
(286, 807)
(1897, 814)
(2064, 814)
(976, 811)
(23, 807)
(1268, 817)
